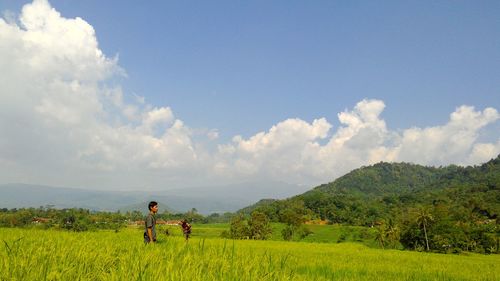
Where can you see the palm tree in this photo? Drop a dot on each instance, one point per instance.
(392, 233)
(380, 236)
(424, 218)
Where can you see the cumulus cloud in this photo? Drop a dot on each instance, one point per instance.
(60, 114)
(277, 153)
(451, 143)
(63, 122)
(290, 150)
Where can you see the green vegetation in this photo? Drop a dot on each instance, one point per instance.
(319, 233)
(32, 254)
(446, 209)
(69, 219)
(257, 227)
(83, 220)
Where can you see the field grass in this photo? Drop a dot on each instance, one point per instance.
(320, 233)
(33, 254)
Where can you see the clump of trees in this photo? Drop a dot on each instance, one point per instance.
(257, 227)
(69, 219)
(292, 213)
(439, 229)
(388, 235)
(193, 216)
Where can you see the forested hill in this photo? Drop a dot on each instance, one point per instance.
(386, 190)
(383, 178)
(440, 209)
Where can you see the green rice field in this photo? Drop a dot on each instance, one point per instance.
(35, 254)
(320, 233)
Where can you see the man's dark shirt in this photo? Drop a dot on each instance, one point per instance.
(150, 223)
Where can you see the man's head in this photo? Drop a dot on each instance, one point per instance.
(153, 206)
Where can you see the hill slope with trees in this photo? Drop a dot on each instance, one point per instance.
(449, 208)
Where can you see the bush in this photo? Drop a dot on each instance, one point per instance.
(303, 232)
(342, 237)
(259, 226)
(225, 234)
(287, 233)
(239, 228)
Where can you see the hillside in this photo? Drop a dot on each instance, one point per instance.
(377, 192)
(383, 178)
(396, 178)
(457, 205)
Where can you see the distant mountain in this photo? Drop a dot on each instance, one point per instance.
(247, 190)
(25, 195)
(206, 200)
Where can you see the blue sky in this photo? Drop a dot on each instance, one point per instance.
(240, 68)
(243, 66)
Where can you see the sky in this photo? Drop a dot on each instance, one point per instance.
(172, 94)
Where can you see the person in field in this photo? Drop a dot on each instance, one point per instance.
(150, 223)
(186, 229)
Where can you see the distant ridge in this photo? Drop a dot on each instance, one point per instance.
(215, 199)
(20, 195)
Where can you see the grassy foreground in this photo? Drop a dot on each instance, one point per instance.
(32, 254)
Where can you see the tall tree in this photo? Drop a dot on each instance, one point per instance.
(423, 219)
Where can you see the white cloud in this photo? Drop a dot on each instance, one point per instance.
(64, 48)
(156, 117)
(290, 150)
(482, 152)
(213, 134)
(451, 143)
(277, 153)
(63, 122)
(61, 117)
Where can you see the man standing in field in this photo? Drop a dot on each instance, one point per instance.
(150, 232)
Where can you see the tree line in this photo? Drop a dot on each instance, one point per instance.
(78, 219)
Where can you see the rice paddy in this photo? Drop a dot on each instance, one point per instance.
(35, 254)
